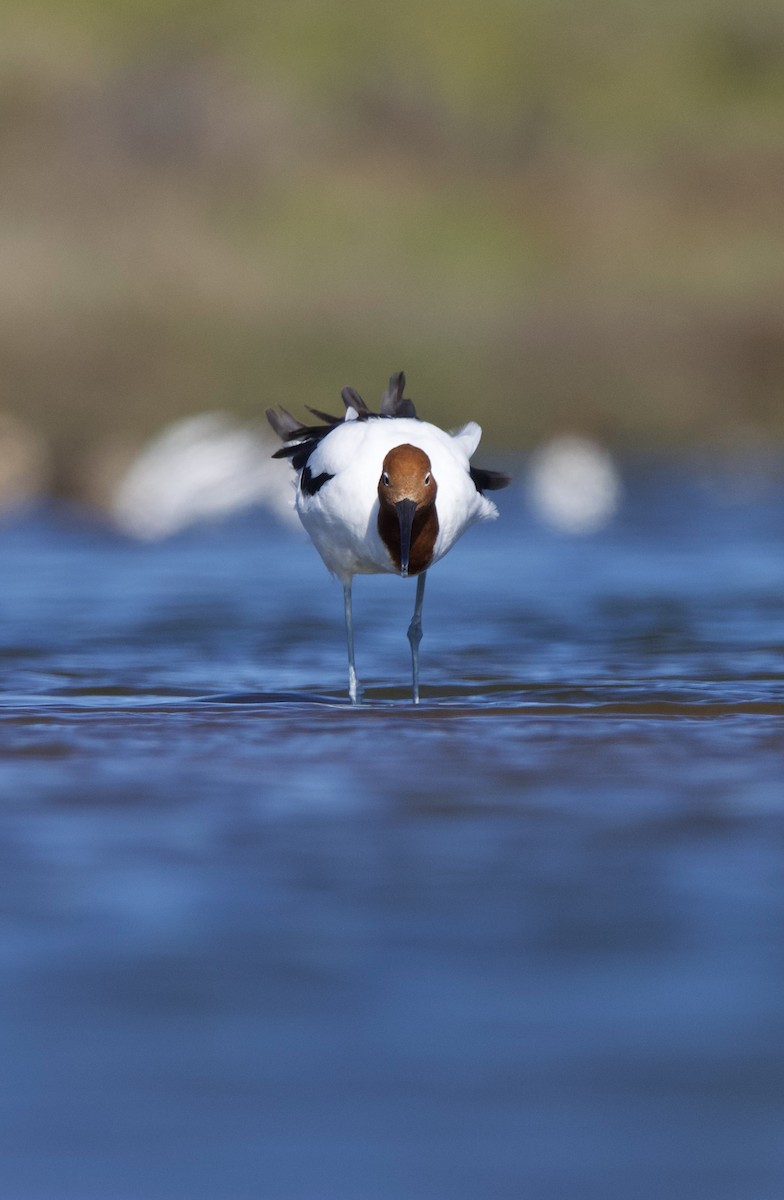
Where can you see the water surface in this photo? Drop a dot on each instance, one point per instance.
(523, 940)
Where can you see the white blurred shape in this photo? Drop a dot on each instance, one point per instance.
(574, 484)
(200, 468)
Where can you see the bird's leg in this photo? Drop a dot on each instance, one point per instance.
(354, 691)
(415, 634)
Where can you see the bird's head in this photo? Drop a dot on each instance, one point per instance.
(406, 487)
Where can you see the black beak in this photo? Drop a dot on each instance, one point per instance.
(406, 510)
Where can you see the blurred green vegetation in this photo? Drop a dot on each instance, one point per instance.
(552, 215)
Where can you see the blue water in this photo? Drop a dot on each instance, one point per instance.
(524, 941)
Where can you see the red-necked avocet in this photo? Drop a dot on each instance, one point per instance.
(384, 492)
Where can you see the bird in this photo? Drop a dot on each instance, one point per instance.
(384, 492)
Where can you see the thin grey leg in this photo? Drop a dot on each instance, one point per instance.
(415, 634)
(353, 689)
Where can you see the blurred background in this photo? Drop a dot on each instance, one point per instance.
(525, 939)
(556, 217)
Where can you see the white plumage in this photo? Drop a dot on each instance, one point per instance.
(384, 493)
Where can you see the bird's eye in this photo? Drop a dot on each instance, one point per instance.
(385, 479)
(427, 479)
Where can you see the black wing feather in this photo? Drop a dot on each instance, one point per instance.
(352, 399)
(322, 416)
(393, 403)
(285, 425)
(489, 481)
(301, 440)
